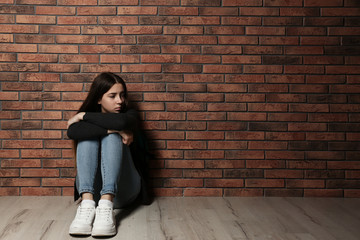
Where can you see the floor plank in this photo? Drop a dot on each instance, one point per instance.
(192, 219)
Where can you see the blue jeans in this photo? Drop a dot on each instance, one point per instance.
(111, 158)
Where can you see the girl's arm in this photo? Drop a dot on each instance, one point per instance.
(84, 130)
(113, 121)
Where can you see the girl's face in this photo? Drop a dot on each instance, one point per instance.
(112, 101)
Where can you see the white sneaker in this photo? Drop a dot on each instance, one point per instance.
(82, 223)
(104, 224)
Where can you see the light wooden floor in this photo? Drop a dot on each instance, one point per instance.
(35, 218)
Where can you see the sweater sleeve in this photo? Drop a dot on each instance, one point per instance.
(85, 130)
(113, 121)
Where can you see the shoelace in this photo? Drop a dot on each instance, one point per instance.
(104, 214)
(85, 212)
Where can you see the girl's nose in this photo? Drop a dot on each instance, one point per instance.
(119, 99)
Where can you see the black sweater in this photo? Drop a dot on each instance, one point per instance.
(96, 124)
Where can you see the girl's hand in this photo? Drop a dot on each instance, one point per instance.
(127, 136)
(77, 118)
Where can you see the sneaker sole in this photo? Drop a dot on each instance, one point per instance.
(80, 233)
(101, 233)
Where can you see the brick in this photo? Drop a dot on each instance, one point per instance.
(155, 39)
(6, 38)
(174, 183)
(327, 155)
(19, 182)
(241, 59)
(283, 21)
(246, 97)
(180, 49)
(267, 183)
(163, 192)
(320, 40)
(303, 69)
(187, 126)
(203, 173)
(241, 40)
(305, 183)
(159, 20)
(9, 191)
(227, 145)
(40, 191)
(98, 11)
(19, 67)
(200, 135)
(322, 3)
(40, 115)
(247, 116)
(245, 135)
(222, 69)
(71, 39)
(203, 192)
(283, 3)
(50, 58)
(309, 145)
(181, 11)
(323, 193)
(40, 77)
(203, 40)
(217, 107)
(177, 68)
(285, 98)
(283, 193)
(9, 96)
(265, 31)
(262, 50)
(30, 19)
(284, 174)
(22, 144)
(184, 164)
(269, 107)
(39, 173)
(60, 29)
(227, 126)
(221, 49)
(267, 145)
(55, 10)
(160, 2)
(225, 164)
(18, 48)
(9, 173)
(204, 154)
(243, 192)
(242, 154)
(57, 182)
(224, 183)
(19, 29)
(259, 11)
(200, 20)
(183, 30)
(12, 105)
(276, 40)
(204, 97)
(143, 30)
(77, 2)
(58, 163)
(136, 10)
(290, 136)
(306, 12)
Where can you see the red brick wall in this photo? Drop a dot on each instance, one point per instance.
(239, 97)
